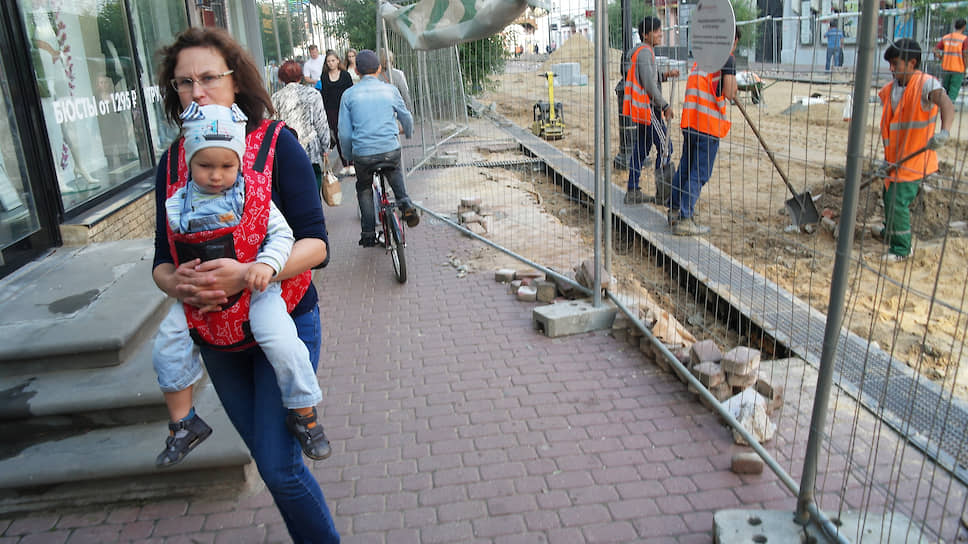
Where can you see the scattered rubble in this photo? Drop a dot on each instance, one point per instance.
(458, 265)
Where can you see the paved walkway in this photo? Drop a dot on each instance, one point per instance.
(453, 421)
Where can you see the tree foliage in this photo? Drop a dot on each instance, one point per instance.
(943, 17)
(357, 24)
(745, 10)
(284, 20)
(639, 10)
(481, 58)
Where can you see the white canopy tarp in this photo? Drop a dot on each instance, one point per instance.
(434, 24)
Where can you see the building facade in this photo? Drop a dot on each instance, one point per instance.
(84, 124)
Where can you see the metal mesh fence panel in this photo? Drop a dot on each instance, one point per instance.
(895, 439)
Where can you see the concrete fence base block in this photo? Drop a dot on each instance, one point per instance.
(735, 526)
(576, 316)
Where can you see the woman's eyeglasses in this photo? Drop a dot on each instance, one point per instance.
(207, 81)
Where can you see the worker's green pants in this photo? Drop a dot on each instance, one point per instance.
(951, 81)
(897, 215)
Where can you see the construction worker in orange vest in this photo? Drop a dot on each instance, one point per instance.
(952, 51)
(911, 105)
(704, 122)
(644, 104)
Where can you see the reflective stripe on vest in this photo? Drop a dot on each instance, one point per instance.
(228, 328)
(703, 110)
(635, 101)
(906, 129)
(952, 59)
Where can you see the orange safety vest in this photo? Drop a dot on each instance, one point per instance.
(635, 101)
(907, 129)
(952, 59)
(703, 110)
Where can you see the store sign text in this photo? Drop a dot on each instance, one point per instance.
(84, 107)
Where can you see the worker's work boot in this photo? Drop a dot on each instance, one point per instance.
(636, 196)
(688, 227)
(891, 258)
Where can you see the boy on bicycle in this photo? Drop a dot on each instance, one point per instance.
(368, 132)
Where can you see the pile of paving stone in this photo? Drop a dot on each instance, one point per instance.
(734, 378)
(531, 285)
(528, 285)
(471, 215)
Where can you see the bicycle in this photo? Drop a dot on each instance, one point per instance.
(392, 230)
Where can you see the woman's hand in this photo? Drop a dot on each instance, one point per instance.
(214, 281)
(205, 286)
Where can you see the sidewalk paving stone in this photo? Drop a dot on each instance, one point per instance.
(453, 421)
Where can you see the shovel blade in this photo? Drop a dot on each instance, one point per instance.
(802, 210)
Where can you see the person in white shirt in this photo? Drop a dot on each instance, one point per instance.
(313, 67)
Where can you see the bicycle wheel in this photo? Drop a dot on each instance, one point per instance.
(395, 246)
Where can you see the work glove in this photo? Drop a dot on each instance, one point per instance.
(938, 140)
(881, 168)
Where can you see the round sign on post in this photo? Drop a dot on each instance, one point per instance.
(712, 31)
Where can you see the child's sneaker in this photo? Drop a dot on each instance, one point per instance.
(185, 436)
(310, 434)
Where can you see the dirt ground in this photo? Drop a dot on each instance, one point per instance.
(913, 309)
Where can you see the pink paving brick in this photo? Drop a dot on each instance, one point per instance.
(495, 526)
(179, 526)
(499, 506)
(593, 494)
(460, 531)
(619, 531)
(30, 524)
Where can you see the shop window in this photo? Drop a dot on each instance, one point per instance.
(84, 68)
(156, 23)
(18, 214)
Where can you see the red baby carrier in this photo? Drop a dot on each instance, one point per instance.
(228, 329)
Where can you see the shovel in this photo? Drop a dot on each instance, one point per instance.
(803, 211)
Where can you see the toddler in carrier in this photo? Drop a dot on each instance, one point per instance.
(214, 198)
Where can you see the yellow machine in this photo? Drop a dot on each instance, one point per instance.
(548, 116)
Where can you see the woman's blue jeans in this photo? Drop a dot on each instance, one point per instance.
(247, 387)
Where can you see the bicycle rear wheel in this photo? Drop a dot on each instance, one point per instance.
(394, 241)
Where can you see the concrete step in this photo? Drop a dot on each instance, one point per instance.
(69, 470)
(82, 399)
(84, 307)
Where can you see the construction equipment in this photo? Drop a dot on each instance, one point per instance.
(802, 209)
(549, 116)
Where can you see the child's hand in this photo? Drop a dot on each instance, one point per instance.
(257, 276)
